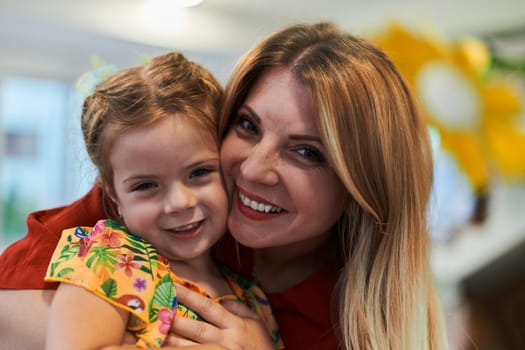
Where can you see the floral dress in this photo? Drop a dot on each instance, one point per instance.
(126, 271)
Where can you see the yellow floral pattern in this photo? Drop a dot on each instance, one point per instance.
(126, 271)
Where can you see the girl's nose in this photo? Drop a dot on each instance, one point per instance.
(260, 165)
(179, 198)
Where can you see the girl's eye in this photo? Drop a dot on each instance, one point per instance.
(312, 154)
(200, 172)
(143, 186)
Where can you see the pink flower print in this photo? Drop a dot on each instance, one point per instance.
(99, 227)
(140, 284)
(165, 317)
(109, 237)
(84, 245)
(125, 261)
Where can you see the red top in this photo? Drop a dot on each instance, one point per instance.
(302, 311)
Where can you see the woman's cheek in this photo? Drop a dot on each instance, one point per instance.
(230, 151)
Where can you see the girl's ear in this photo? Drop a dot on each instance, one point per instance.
(111, 209)
(110, 191)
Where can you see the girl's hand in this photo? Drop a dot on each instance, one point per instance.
(231, 324)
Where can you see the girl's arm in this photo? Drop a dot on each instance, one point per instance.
(79, 320)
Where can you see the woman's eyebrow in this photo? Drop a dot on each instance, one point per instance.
(296, 137)
(302, 137)
(252, 113)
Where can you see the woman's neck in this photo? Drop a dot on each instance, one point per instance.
(279, 268)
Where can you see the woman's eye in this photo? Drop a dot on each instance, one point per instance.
(311, 153)
(245, 123)
(143, 186)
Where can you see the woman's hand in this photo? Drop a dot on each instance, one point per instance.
(231, 324)
(192, 347)
(23, 317)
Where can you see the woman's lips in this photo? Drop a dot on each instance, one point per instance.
(257, 209)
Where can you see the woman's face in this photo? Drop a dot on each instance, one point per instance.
(281, 188)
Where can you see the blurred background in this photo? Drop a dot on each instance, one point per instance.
(465, 61)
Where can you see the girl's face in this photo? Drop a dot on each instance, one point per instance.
(281, 188)
(168, 186)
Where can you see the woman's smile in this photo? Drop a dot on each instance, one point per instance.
(256, 208)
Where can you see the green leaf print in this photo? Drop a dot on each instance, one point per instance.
(143, 251)
(153, 312)
(68, 251)
(164, 293)
(64, 272)
(110, 288)
(114, 225)
(135, 241)
(144, 248)
(188, 313)
(140, 253)
(52, 268)
(146, 270)
(101, 257)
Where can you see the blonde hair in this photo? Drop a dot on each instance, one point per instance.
(377, 143)
(168, 85)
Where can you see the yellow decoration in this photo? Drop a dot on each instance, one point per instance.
(477, 117)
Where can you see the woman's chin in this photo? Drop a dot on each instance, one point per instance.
(244, 233)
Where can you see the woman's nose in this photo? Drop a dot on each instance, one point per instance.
(179, 198)
(260, 165)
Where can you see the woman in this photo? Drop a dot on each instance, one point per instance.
(320, 126)
(328, 167)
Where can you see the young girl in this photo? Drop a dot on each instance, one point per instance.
(152, 133)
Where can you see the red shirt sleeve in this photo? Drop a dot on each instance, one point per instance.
(24, 263)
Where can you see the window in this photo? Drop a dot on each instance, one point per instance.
(43, 163)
